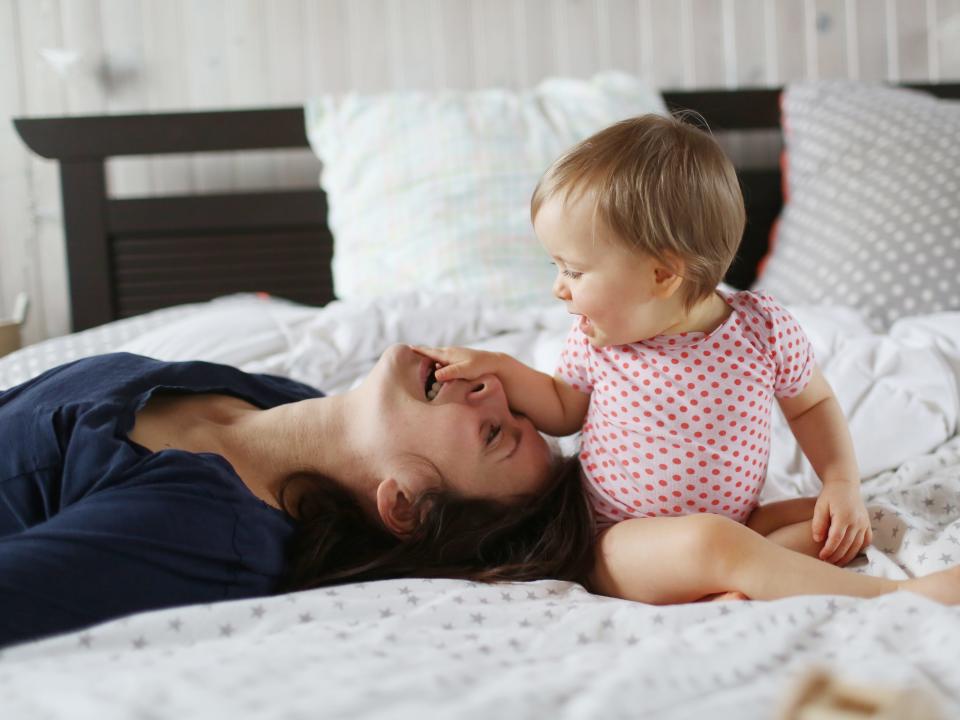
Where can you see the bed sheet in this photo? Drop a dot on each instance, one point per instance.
(445, 648)
(414, 648)
(232, 329)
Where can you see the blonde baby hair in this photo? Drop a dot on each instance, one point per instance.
(664, 188)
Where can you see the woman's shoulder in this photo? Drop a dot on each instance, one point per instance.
(100, 374)
(75, 378)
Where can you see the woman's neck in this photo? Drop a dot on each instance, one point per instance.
(311, 436)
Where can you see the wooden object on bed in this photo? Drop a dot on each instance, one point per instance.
(128, 256)
(820, 695)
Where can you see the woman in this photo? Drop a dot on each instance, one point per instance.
(129, 484)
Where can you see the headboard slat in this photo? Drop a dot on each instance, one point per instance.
(158, 270)
(102, 136)
(250, 211)
(84, 188)
(729, 110)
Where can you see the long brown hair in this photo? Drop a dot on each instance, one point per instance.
(549, 535)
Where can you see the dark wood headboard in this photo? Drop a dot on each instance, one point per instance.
(128, 256)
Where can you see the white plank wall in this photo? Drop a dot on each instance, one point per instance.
(157, 55)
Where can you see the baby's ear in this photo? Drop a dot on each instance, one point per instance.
(668, 276)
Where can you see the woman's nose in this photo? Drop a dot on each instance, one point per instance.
(483, 388)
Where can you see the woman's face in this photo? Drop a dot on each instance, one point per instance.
(467, 431)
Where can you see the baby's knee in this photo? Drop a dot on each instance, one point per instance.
(713, 536)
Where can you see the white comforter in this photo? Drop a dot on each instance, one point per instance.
(412, 648)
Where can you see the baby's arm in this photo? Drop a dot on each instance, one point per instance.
(817, 422)
(552, 405)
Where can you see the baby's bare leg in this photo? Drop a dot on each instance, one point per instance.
(799, 538)
(765, 519)
(682, 559)
(788, 523)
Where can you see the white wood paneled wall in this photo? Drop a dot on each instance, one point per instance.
(114, 56)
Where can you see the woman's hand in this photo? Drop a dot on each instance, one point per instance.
(456, 363)
(841, 510)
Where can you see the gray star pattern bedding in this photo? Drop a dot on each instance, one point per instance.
(443, 648)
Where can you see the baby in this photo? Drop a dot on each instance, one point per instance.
(670, 379)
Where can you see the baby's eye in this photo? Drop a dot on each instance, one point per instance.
(572, 274)
(492, 435)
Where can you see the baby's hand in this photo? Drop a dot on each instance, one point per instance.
(460, 362)
(841, 509)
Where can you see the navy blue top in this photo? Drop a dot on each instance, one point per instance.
(94, 526)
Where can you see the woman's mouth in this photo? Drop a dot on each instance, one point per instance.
(431, 387)
(428, 378)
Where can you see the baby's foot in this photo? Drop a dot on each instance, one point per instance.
(942, 586)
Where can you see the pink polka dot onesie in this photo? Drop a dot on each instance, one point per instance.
(679, 424)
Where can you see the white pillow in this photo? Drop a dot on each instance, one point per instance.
(872, 217)
(432, 190)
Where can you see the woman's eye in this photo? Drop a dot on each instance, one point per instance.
(492, 435)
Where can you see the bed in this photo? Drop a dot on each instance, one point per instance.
(248, 280)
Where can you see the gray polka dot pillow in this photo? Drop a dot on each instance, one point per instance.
(872, 212)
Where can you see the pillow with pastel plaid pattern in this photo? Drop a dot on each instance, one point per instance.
(431, 190)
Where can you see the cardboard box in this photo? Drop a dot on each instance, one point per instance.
(10, 338)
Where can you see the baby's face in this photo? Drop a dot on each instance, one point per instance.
(611, 288)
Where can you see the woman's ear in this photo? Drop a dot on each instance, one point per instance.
(667, 276)
(395, 506)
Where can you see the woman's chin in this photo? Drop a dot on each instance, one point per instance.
(396, 363)
(396, 374)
